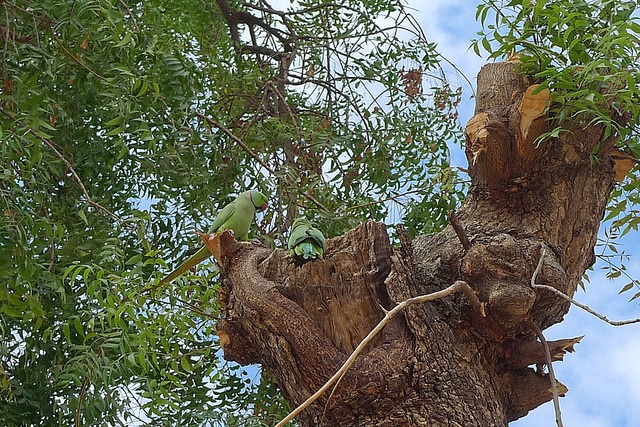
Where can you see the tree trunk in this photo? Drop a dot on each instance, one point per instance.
(440, 363)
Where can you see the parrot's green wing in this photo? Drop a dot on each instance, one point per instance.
(239, 221)
(306, 242)
(222, 217)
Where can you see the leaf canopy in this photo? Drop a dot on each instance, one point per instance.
(127, 125)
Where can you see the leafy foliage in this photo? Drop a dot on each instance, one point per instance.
(125, 126)
(622, 218)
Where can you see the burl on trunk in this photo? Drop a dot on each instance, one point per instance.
(440, 363)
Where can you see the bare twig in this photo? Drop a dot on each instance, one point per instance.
(552, 375)
(286, 104)
(543, 252)
(67, 164)
(133, 18)
(253, 155)
(76, 59)
(83, 391)
(188, 306)
(458, 286)
(498, 10)
(587, 308)
(237, 140)
(6, 44)
(314, 200)
(545, 344)
(386, 199)
(457, 227)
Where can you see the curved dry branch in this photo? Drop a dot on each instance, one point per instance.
(545, 344)
(587, 308)
(237, 140)
(552, 375)
(77, 59)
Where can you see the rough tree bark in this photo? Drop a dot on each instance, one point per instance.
(442, 363)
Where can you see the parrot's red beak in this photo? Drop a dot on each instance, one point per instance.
(263, 207)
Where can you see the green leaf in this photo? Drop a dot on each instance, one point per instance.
(486, 45)
(125, 40)
(116, 131)
(185, 364)
(115, 121)
(626, 288)
(78, 326)
(67, 332)
(83, 216)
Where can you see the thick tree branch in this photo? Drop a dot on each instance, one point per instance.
(265, 306)
(235, 17)
(519, 199)
(459, 286)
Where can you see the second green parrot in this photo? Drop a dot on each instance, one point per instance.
(237, 216)
(306, 242)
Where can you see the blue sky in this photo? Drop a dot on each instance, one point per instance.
(603, 375)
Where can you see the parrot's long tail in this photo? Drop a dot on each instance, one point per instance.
(202, 254)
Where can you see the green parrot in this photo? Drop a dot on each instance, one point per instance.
(306, 243)
(237, 217)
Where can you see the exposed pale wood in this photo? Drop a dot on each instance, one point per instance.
(556, 195)
(623, 163)
(533, 107)
(214, 241)
(502, 137)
